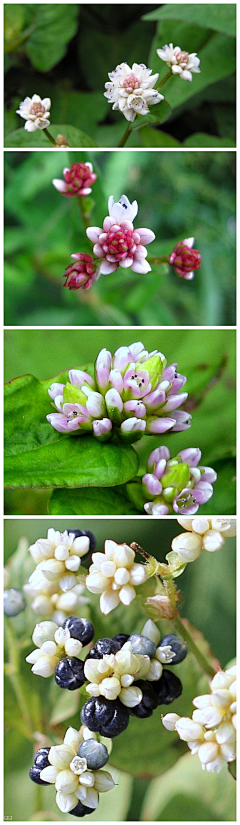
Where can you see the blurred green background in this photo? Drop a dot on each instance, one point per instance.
(206, 357)
(180, 194)
(182, 791)
(65, 52)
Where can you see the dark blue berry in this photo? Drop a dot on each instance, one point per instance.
(92, 539)
(34, 774)
(167, 688)
(14, 602)
(142, 645)
(81, 810)
(121, 638)
(107, 717)
(41, 758)
(178, 647)
(102, 647)
(80, 629)
(69, 673)
(95, 753)
(148, 702)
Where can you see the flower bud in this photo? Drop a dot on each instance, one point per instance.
(169, 721)
(184, 259)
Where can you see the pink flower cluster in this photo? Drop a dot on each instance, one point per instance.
(184, 259)
(118, 243)
(77, 180)
(176, 485)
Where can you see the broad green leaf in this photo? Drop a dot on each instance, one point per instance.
(148, 749)
(76, 139)
(110, 46)
(84, 109)
(152, 138)
(55, 25)
(158, 114)
(91, 502)
(14, 18)
(38, 456)
(213, 68)
(220, 17)
(186, 791)
(200, 139)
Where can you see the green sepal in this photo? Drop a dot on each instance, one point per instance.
(73, 395)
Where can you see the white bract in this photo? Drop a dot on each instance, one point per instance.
(36, 112)
(211, 733)
(114, 574)
(72, 778)
(53, 643)
(180, 62)
(203, 533)
(131, 90)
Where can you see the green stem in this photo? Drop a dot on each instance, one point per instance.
(166, 76)
(84, 215)
(47, 133)
(38, 799)
(15, 677)
(125, 137)
(182, 630)
(158, 259)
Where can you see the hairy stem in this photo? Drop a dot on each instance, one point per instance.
(202, 660)
(47, 133)
(166, 76)
(125, 137)
(86, 218)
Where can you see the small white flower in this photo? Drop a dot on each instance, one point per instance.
(53, 643)
(169, 721)
(203, 534)
(36, 112)
(114, 574)
(131, 90)
(181, 63)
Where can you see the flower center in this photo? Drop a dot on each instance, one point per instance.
(131, 83)
(182, 57)
(78, 765)
(37, 109)
(119, 243)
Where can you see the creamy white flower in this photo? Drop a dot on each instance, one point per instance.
(57, 559)
(202, 534)
(36, 112)
(114, 574)
(180, 62)
(71, 776)
(53, 643)
(131, 90)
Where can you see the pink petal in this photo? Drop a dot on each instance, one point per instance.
(106, 268)
(146, 235)
(93, 233)
(141, 266)
(60, 185)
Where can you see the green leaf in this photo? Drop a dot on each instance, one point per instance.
(14, 18)
(187, 791)
(55, 25)
(217, 57)
(39, 456)
(91, 502)
(152, 138)
(76, 139)
(200, 139)
(220, 17)
(67, 705)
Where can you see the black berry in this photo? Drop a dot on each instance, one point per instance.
(167, 688)
(148, 702)
(107, 717)
(178, 647)
(121, 638)
(80, 629)
(81, 810)
(69, 673)
(41, 758)
(34, 774)
(102, 647)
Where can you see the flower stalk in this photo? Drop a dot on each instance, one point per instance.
(49, 137)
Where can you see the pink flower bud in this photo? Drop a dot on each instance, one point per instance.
(185, 259)
(83, 273)
(77, 180)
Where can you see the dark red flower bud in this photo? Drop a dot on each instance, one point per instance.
(185, 259)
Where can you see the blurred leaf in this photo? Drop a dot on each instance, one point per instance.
(75, 138)
(110, 45)
(55, 24)
(220, 17)
(91, 502)
(152, 138)
(14, 19)
(38, 456)
(66, 705)
(187, 790)
(199, 139)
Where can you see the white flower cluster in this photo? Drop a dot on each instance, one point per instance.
(113, 675)
(35, 112)
(72, 778)
(202, 534)
(115, 575)
(180, 62)
(211, 733)
(131, 89)
(52, 644)
(54, 583)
